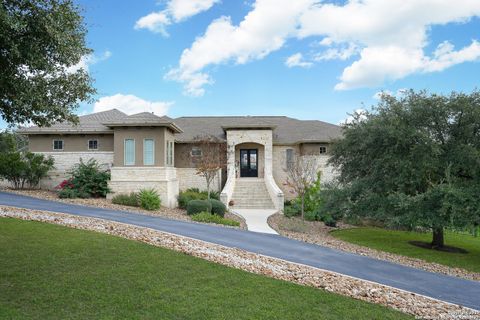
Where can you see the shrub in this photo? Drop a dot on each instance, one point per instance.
(213, 218)
(197, 206)
(218, 207)
(126, 199)
(24, 168)
(89, 178)
(148, 199)
(329, 221)
(291, 210)
(72, 193)
(310, 216)
(194, 194)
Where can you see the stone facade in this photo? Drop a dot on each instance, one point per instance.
(188, 178)
(132, 179)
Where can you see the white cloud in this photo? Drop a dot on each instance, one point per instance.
(175, 11)
(88, 60)
(296, 60)
(131, 104)
(360, 113)
(389, 37)
(397, 94)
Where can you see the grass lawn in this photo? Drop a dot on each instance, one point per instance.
(397, 242)
(53, 272)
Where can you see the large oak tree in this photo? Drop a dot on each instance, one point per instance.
(414, 161)
(39, 41)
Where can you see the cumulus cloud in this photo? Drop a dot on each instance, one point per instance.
(175, 11)
(296, 60)
(88, 60)
(387, 39)
(131, 104)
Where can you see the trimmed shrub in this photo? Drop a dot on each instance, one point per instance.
(126, 199)
(68, 193)
(149, 199)
(329, 221)
(291, 210)
(194, 194)
(89, 178)
(197, 206)
(213, 218)
(218, 207)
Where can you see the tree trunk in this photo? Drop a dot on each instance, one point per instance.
(438, 240)
(303, 206)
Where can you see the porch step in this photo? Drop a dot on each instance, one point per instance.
(251, 193)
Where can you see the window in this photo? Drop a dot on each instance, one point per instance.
(323, 150)
(290, 159)
(57, 144)
(196, 152)
(129, 148)
(92, 144)
(148, 152)
(169, 153)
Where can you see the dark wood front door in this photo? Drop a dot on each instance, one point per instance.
(248, 162)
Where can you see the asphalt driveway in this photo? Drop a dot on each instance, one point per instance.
(438, 286)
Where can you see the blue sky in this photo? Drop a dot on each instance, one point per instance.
(306, 59)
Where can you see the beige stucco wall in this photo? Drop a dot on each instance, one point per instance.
(188, 178)
(71, 142)
(158, 134)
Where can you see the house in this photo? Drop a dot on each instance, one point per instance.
(145, 150)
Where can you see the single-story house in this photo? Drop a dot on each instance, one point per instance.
(145, 150)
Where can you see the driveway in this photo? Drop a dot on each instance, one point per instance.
(438, 286)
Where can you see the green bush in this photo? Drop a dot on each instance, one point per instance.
(126, 199)
(292, 209)
(89, 178)
(21, 169)
(218, 207)
(213, 218)
(197, 206)
(194, 194)
(149, 199)
(329, 221)
(310, 216)
(72, 193)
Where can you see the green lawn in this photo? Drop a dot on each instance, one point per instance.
(397, 242)
(53, 272)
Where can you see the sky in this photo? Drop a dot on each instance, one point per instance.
(307, 59)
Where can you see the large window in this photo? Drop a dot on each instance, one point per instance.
(290, 158)
(148, 152)
(129, 157)
(57, 144)
(169, 153)
(92, 144)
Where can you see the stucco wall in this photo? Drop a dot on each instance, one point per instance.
(139, 134)
(187, 178)
(71, 142)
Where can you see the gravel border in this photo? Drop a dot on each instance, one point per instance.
(410, 303)
(170, 213)
(318, 233)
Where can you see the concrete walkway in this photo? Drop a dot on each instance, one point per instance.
(256, 219)
(438, 286)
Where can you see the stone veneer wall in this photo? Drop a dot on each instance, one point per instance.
(131, 179)
(280, 163)
(64, 161)
(187, 178)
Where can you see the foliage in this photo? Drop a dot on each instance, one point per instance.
(398, 242)
(291, 209)
(11, 142)
(413, 162)
(212, 160)
(303, 175)
(149, 199)
(194, 194)
(72, 193)
(126, 199)
(214, 218)
(218, 207)
(88, 178)
(197, 206)
(24, 168)
(40, 40)
(124, 279)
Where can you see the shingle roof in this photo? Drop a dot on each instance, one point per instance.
(285, 130)
(87, 124)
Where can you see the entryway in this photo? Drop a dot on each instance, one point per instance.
(248, 162)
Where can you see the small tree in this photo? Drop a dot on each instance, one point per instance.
(302, 173)
(24, 168)
(213, 158)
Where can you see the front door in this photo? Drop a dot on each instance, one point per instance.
(248, 162)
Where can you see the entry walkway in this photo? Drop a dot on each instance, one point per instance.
(256, 219)
(434, 285)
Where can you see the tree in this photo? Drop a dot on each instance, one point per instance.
(414, 161)
(302, 173)
(21, 168)
(40, 41)
(213, 158)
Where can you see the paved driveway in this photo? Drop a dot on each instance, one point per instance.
(450, 289)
